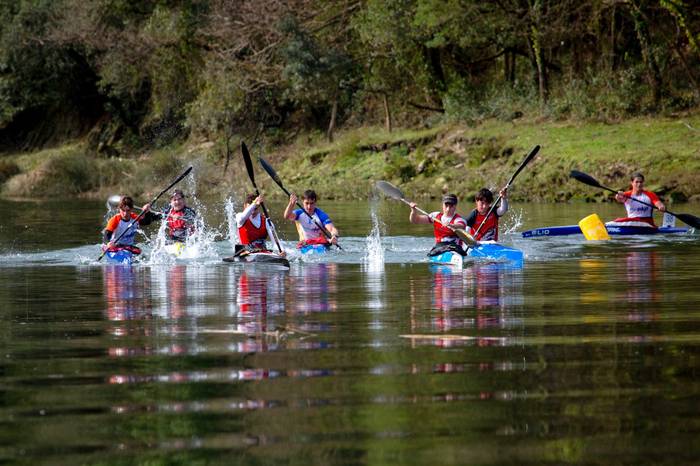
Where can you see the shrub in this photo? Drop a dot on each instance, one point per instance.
(399, 165)
(59, 175)
(8, 169)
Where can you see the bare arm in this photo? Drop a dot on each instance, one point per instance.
(289, 211)
(245, 215)
(417, 217)
(503, 207)
(333, 231)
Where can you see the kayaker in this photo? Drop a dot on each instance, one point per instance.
(120, 224)
(638, 214)
(443, 224)
(180, 219)
(489, 230)
(253, 226)
(309, 219)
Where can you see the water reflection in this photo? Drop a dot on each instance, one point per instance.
(124, 294)
(314, 288)
(483, 300)
(260, 295)
(642, 273)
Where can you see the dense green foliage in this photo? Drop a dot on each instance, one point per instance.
(164, 81)
(154, 71)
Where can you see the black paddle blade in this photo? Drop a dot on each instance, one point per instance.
(270, 171)
(528, 158)
(248, 163)
(389, 189)
(177, 180)
(690, 220)
(585, 179)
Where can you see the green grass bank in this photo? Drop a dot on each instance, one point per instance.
(424, 163)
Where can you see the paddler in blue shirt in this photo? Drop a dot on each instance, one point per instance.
(308, 219)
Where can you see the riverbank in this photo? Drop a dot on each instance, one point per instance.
(424, 163)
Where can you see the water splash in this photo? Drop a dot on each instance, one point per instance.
(199, 244)
(374, 258)
(230, 210)
(514, 221)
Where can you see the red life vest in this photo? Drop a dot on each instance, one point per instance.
(442, 233)
(249, 233)
(489, 230)
(176, 220)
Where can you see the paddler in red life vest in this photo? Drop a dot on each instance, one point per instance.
(309, 219)
(443, 225)
(489, 229)
(180, 219)
(120, 227)
(253, 227)
(638, 214)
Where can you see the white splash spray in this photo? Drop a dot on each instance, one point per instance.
(514, 221)
(374, 258)
(199, 244)
(230, 209)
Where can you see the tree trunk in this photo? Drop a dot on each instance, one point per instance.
(437, 74)
(613, 39)
(689, 72)
(228, 135)
(387, 113)
(228, 153)
(331, 125)
(538, 59)
(653, 72)
(509, 66)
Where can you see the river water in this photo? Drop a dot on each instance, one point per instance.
(589, 354)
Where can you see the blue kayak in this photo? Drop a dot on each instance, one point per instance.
(487, 250)
(314, 248)
(121, 256)
(567, 230)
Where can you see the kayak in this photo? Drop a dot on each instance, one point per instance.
(262, 258)
(486, 250)
(175, 249)
(495, 251)
(314, 248)
(567, 230)
(120, 256)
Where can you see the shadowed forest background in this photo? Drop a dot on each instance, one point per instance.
(92, 90)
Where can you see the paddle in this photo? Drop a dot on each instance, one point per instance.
(137, 218)
(395, 193)
(273, 174)
(529, 157)
(688, 219)
(251, 175)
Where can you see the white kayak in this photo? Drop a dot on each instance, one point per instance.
(261, 257)
(175, 249)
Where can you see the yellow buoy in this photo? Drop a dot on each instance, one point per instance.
(593, 228)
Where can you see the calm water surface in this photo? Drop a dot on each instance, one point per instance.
(589, 354)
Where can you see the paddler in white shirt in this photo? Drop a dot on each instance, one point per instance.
(444, 223)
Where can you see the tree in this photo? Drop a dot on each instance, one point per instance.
(314, 75)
